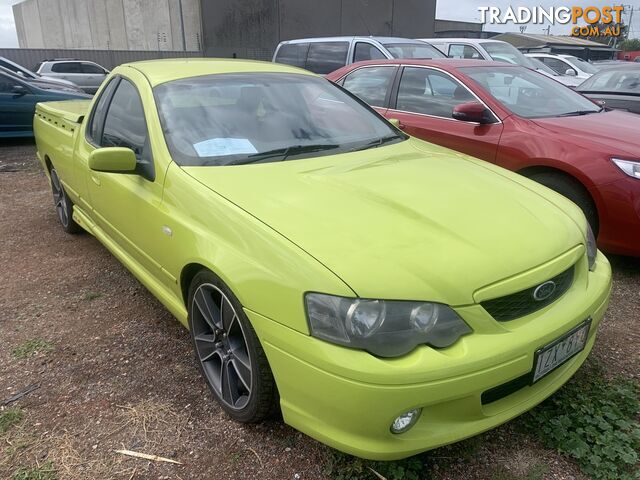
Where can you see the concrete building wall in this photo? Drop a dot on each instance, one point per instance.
(244, 28)
(109, 24)
(253, 28)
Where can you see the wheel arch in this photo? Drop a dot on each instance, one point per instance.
(579, 182)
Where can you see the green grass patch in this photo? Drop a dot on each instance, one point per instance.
(341, 466)
(594, 420)
(9, 418)
(43, 472)
(30, 348)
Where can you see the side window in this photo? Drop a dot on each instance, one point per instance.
(430, 92)
(293, 54)
(125, 126)
(326, 57)
(7, 84)
(557, 65)
(96, 121)
(366, 51)
(66, 67)
(457, 50)
(370, 84)
(92, 69)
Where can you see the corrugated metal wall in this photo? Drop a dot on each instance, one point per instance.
(30, 57)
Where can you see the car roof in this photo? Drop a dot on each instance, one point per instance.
(444, 63)
(166, 70)
(351, 37)
(461, 40)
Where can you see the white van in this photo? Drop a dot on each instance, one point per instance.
(327, 54)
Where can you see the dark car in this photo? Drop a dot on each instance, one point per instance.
(618, 88)
(520, 120)
(18, 100)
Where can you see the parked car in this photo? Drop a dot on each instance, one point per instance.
(520, 120)
(324, 55)
(322, 259)
(566, 64)
(480, 49)
(42, 82)
(87, 75)
(29, 75)
(18, 100)
(568, 80)
(618, 88)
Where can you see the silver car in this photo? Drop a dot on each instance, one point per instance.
(29, 76)
(326, 54)
(87, 75)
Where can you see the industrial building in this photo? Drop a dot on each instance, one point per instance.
(109, 24)
(579, 47)
(226, 28)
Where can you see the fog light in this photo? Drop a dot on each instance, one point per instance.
(405, 421)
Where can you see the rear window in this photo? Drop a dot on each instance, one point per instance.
(293, 54)
(66, 67)
(325, 57)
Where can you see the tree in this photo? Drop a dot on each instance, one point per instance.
(630, 45)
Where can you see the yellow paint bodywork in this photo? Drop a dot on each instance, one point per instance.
(410, 221)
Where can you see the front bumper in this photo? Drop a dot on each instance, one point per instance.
(619, 213)
(348, 398)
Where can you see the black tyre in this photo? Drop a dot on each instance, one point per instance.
(228, 351)
(574, 191)
(64, 206)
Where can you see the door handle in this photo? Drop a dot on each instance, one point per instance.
(95, 180)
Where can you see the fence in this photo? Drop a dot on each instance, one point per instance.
(30, 57)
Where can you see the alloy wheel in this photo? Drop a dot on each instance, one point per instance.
(221, 346)
(59, 199)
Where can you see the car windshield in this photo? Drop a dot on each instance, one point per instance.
(530, 94)
(583, 65)
(504, 52)
(413, 50)
(623, 80)
(538, 65)
(231, 119)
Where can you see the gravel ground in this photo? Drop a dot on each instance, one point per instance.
(114, 370)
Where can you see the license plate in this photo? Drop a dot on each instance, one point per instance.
(550, 357)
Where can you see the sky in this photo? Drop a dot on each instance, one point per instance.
(466, 10)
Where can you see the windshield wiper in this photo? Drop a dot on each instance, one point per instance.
(285, 152)
(376, 143)
(579, 112)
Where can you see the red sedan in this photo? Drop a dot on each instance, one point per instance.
(521, 120)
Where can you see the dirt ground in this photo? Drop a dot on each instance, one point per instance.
(114, 370)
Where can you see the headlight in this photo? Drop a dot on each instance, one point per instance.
(627, 166)
(592, 248)
(383, 327)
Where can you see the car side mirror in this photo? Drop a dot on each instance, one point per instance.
(113, 160)
(19, 90)
(571, 72)
(471, 112)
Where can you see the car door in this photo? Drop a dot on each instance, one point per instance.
(126, 206)
(423, 101)
(372, 84)
(363, 51)
(94, 75)
(559, 66)
(71, 71)
(17, 106)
